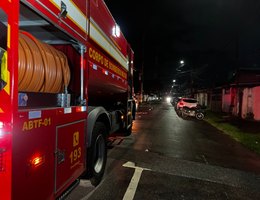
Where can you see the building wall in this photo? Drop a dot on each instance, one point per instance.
(250, 108)
(202, 98)
(226, 99)
(247, 105)
(256, 102)
(215, 100)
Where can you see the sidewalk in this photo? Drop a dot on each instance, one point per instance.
(144, 107)
(243, 131)
(247, 126)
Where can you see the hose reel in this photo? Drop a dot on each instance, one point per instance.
(41, 67)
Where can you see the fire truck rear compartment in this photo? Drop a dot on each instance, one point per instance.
(50, 67)
(49, 63)
(42, 68)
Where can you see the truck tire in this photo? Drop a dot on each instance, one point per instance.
(97, 154)
(128, 131)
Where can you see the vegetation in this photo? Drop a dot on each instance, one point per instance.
(240, 130)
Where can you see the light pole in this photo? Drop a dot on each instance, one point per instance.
(189, 71)
(173, 85)
(182, 63)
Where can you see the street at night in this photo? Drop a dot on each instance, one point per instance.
(167, 157)
(129, 100)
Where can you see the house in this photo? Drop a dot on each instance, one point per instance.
(241, 97)
(215, 102)
(210, 98)
(202, 97)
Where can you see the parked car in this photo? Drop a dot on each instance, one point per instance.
(187, 102)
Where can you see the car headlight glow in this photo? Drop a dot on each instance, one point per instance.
(168, 99)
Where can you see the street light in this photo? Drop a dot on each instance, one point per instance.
(182, 63)
(173, 85)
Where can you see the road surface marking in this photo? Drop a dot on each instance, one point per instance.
(130, 192)
(86, 183)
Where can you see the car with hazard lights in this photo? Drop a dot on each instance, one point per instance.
(186, 102)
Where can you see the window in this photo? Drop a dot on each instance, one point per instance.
(190, 100)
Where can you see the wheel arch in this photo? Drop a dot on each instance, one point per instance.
(96, 114)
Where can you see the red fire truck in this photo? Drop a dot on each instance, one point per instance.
(65, 85)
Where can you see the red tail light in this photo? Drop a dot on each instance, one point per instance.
(37, 160)
(4, 141)
(5, 161)
(2, 149)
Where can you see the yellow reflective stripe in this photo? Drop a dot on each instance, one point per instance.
(1, 111)
(7, 87)
(8, 35)
(5, 74)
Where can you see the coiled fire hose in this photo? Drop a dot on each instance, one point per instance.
(41, 67)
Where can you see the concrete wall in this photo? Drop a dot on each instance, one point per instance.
(226, 100)
(256, 102)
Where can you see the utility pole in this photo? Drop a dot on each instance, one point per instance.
(141, 73)
(141, 82)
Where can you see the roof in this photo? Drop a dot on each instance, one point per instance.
(246, 77)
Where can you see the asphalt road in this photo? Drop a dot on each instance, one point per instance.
(167, 157)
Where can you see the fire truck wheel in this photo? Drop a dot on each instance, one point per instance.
(128, 131)
(97, 154)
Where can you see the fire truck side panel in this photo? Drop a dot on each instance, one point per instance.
(74, 23)
(43, 141)
(70, 157)
(102, 19)
(48, 152)
(107, 53)
(106, 77)
(70, 146)
(34, 138)
(102, 35)
(107, 73)
(8, 94)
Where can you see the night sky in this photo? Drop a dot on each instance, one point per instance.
(213, 37)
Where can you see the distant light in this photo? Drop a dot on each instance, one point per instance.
(168, 99)
(173, 80)
(116, 31)
(182, 62)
